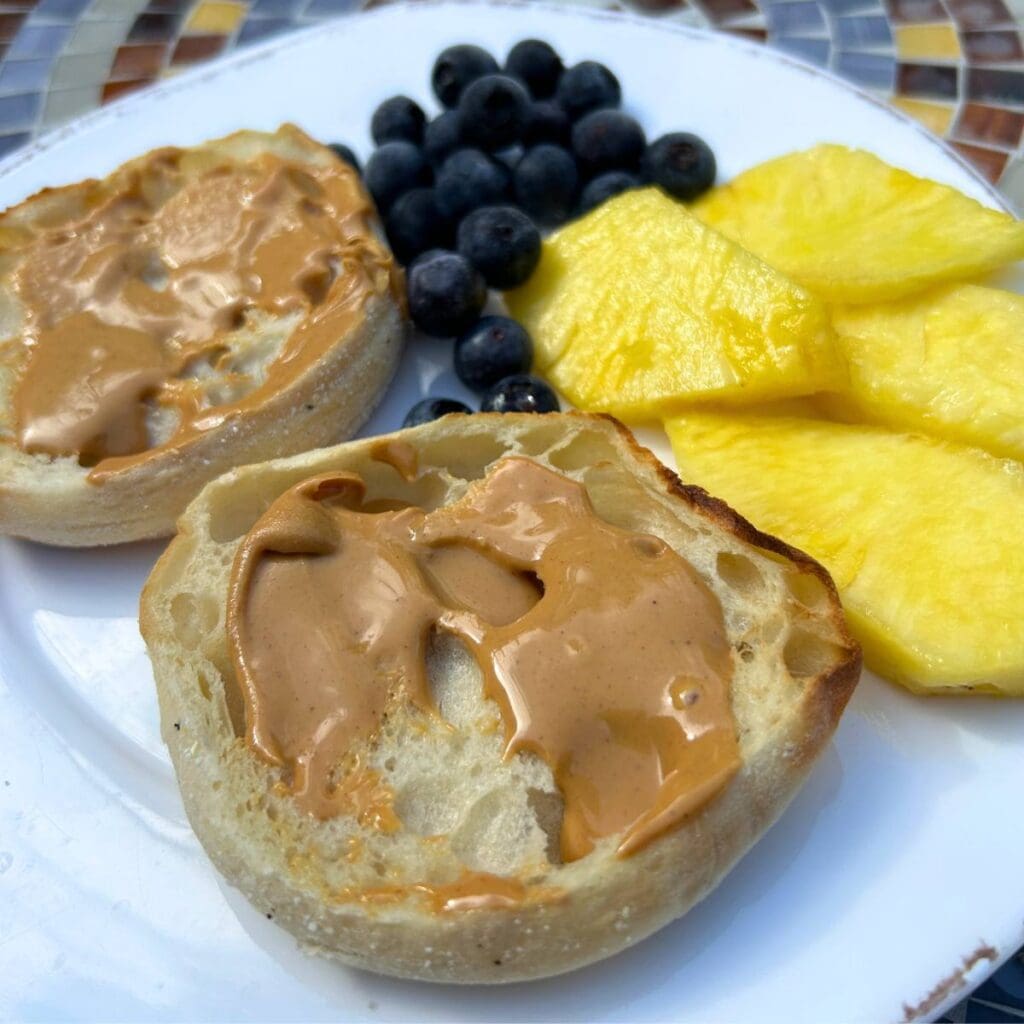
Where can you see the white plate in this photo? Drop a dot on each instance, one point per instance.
(898, 863)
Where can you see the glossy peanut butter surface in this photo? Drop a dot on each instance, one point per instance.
(473, 890)
(605, 651)
(130, 305)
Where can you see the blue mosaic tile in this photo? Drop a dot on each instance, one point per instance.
(40, 40)
(995, 85)
(979, 1012)
(24, 75)
(21, 110)
(324, 8)
(64, 9)
(871, 69)
(860, 31)
(264, 28)
(792, 18)
(274, 8)
(1006, 986)
(9, 143)
(849, 6)
(814, 50)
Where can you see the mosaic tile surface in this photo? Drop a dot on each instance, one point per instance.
(957, 66)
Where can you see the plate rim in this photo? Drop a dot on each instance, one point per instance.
(218, 66)
(968, 977)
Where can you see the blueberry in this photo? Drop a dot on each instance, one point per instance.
(494, 348)
(510, 156)
(604, 186)
(502, 243)
(681, 163)
(468, 179)
(546, 121)
(398, 119)
(442, 137)
(393, 169)
(456, 67)
(522, 392)
(343, 152)
(445, 293)
(588, 86)
(415, 224)
(537, 64)
(432, 409)
(545, 183)
(607, 140)
(493, 110)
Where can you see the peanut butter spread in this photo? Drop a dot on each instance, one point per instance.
(473, 890)
(604, 649)
(129, 309)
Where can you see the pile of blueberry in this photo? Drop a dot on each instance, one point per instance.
(464, 197)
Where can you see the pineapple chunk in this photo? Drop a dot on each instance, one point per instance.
(638, 308)
(922, 537)
(948, 363)
(851, 228)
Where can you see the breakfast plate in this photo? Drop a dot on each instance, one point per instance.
(889, 887)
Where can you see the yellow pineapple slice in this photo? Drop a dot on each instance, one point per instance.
(923, 537)
(851, 228)
(639, 308)
(949, 363)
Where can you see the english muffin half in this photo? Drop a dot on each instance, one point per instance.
(490, 814)
(196, 310)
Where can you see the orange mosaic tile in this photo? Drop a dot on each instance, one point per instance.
(911, 12)
(994, 125)
(115, 90)
(757, 34)
(191, 49)
(989, 161)
(980, 13)
(719, 10)
(138, 61)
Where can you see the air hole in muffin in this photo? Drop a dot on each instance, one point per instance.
(194, 617)
(584, 450)
(738, 572)
(204, 686)
(806, 655)
(808, 589)
(466, 456)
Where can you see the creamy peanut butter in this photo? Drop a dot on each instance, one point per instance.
(400, 455)
(473, 890)
(603, 648)
(127, 307)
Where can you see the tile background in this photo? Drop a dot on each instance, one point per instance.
(957, 66)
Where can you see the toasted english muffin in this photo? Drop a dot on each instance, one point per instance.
(390, 896)
(196, 310)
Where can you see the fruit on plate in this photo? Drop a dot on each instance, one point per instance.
(921, 536)
(639, 308)
(949, 363)
(851, 228)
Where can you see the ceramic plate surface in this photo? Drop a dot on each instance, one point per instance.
(891, 884)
